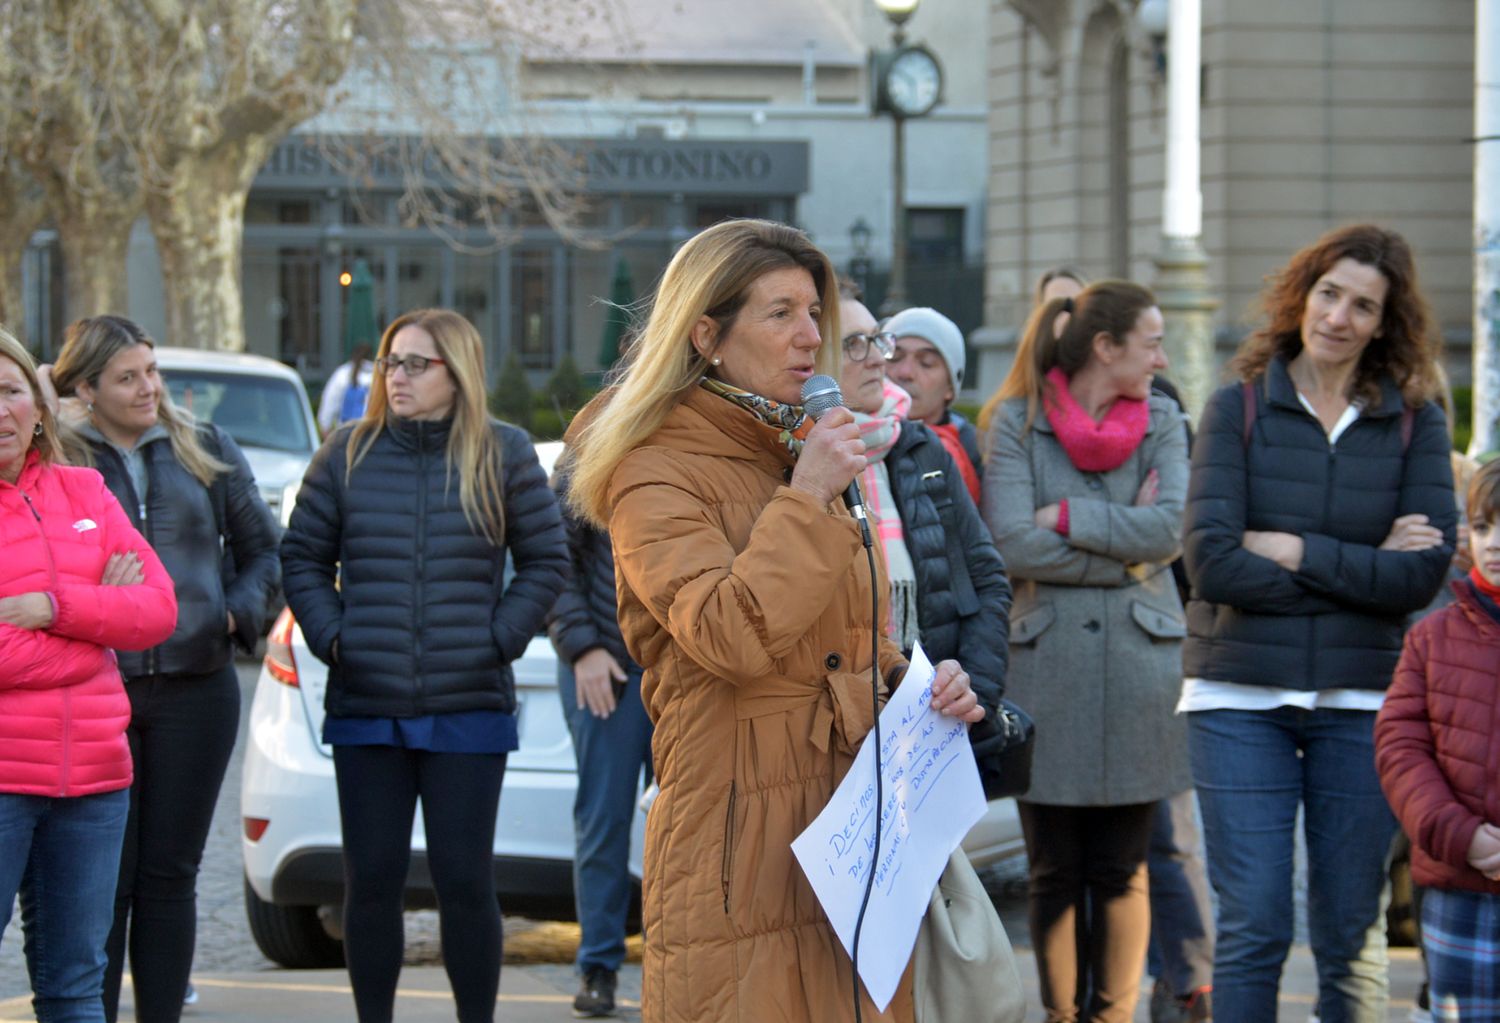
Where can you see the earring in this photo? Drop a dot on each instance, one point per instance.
(36, 431)
(717, 361)
(91, 408)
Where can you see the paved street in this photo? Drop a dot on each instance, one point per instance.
(239, 985)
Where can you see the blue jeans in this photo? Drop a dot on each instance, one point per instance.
(1252, 769)
(1181, 952)
(612, 752)
(63, 855)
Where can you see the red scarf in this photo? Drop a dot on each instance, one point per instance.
(1095, 446)
(1483, 585)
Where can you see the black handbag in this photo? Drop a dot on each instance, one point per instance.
(1002, 749)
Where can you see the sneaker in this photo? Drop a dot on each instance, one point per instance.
(1166, 1007)
(1422, 1011)
(596, 994)
(190, 997)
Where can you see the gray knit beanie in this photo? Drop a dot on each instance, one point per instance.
(931, 325)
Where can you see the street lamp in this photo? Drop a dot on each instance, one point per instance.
(898, 11)
(1153, 18)
(908, 83)
(859, 263)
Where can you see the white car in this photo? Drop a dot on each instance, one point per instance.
(291, 840)
(259, 402)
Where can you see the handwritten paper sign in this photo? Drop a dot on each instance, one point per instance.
(931, 798)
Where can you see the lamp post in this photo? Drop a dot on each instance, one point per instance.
(859, 263)
(1182, 284)
(908, 83)
(1486, 419)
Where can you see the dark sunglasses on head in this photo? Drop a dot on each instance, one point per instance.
(415, 365)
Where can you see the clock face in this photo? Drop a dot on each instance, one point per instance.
(913, 82)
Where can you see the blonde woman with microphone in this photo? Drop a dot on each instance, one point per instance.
(744, 593)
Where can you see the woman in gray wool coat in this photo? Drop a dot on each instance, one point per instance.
(1083, 491)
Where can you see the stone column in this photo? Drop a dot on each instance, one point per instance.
(1182, 284)
(1486, 228)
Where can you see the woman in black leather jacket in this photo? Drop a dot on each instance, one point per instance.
(394, 565)
(188, 489)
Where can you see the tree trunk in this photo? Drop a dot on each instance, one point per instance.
(199, 223)
(22, 211)
(94, 249)
(12, 298)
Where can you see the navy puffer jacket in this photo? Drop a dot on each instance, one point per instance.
(963, 610)
(424, 621)
(1337, 622)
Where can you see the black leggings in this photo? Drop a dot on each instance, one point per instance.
(182, 731)
(378, 789)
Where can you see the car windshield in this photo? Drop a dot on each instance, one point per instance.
(258, 412)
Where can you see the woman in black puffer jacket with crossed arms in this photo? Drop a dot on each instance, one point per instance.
(394, 564)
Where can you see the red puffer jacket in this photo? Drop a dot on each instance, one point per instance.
(1437, 740)
(63, 708)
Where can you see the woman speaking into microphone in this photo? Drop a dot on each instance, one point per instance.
(745, 594)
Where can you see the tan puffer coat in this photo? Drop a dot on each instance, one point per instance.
(748, 604)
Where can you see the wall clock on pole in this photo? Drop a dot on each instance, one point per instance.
(910, 82)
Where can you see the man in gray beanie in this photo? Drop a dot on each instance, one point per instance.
(929, 365)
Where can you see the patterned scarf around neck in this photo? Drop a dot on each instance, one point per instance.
(1095, 446)
(793, 424)
(880, 431)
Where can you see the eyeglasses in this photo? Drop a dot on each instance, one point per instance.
(857, 346)
(415, 365)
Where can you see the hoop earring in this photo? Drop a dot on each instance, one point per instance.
(36, 431)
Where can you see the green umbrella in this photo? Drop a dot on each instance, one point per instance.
(617, 317)
(359, 313)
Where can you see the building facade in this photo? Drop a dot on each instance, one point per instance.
(696, 112)
(1313, 115)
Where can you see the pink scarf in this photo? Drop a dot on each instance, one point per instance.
(1095, 446)
(879, 431)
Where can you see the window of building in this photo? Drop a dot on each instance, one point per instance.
(287, 321)
(531, 325)
(278, 211)
(935, 236)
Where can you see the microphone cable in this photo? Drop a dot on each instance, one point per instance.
(864, 902)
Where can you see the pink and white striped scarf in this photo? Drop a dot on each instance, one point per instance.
(880, 431)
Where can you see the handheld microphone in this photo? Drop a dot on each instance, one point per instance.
(820, 396)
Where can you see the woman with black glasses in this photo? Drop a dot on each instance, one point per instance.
(394, 564)
(948, 583)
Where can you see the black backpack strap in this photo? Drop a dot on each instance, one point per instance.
(1247, 391)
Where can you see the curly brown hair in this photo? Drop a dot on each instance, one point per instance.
(1404, 347)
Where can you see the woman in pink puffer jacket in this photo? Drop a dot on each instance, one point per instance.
(76, 581)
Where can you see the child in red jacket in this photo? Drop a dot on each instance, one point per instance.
(1437, 746)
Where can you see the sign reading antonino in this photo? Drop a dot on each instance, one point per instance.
(631, 166)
